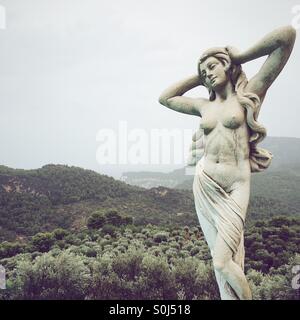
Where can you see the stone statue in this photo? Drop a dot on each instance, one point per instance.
(227, 144)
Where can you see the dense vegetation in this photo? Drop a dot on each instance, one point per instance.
(55, 196)
(124, 261)
(69, 233)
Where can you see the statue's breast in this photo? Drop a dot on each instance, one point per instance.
(209, 122)
(230, 115)
(233, 117)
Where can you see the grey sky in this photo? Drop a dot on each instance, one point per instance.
(69, 68)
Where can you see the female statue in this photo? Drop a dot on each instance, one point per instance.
(229, 133)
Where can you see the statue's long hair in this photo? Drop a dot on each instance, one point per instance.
(260, 158)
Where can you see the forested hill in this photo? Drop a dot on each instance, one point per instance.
(56, 196)
(62, 184)
(61, 196)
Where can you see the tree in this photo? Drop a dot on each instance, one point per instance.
(160, 237)
(96, 221)
(62, 277)
(10, 249)
(59, 234)
(113, 217)
(43, 241)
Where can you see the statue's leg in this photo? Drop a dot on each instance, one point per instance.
(231, 271)
(240, 193)
(210, 234)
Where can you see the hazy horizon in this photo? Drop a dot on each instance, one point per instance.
(120, 170)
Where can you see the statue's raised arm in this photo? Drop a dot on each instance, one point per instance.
(278, 45)
(173, 97)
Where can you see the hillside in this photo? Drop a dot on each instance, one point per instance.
(60, 196)
(153, 256)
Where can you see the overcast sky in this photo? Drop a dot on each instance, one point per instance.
(69, 68)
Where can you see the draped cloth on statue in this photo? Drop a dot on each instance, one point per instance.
(216, 207)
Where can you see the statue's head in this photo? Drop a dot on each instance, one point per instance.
(216, 70)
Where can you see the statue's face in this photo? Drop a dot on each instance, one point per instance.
(213, 73)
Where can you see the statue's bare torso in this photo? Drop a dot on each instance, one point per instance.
(226, 146)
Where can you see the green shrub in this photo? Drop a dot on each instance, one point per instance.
(43, 241)
(60, 234)
(158, 279)
(10, 249)
(96, 221)
(48, 277)
(109, 229)
(195, 250)
(160, 237)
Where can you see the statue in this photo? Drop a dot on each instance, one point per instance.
(227, 144)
